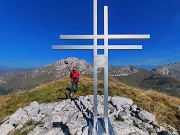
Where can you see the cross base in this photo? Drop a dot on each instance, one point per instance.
(100, 128)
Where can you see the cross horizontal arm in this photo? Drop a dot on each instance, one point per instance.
(121, 36)
(91, 47)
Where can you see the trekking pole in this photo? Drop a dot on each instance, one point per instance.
(66, 62)
(84, 87)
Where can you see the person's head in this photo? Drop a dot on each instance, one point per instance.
(74, 69)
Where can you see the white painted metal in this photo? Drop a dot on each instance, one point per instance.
(100, 47)
(106, 69)
(101, 60)
(95, 75)
(110, 36)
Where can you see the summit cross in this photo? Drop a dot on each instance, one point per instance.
(101, 61)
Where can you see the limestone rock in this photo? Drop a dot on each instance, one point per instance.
(33, 109)
(37, 130)
(6, 128)
(56, 118)
(85, 131)
(54, 131)
(146, 116)
(121, 102)
(18, 116)
(72, 117)
(19, 127)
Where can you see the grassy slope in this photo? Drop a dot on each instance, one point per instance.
(146, 80)
(164, 107)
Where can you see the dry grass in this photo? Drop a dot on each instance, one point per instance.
(164, 107)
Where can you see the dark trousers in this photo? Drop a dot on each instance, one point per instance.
(72, 86)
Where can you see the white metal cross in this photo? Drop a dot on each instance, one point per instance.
(101, 60)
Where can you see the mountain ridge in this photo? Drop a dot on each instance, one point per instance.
(144, 79)
(171, 70)
(28, 80)
(164, 107)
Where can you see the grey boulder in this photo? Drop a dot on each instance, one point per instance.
(6, 128)
(146, 116)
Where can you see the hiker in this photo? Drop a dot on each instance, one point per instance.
(74, 75)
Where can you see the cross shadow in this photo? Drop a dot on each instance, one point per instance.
(64, 127)
(56, 124)
(89, 112)
(66, 93)
(67, 88)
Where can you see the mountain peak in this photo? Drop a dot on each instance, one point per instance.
(83, 66)
(171, 70)
(124, 71)
(70, 60)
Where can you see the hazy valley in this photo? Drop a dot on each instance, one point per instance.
(163, 78)
(155, 91)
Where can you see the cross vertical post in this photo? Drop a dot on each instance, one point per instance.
(95, 75)
(106, 68)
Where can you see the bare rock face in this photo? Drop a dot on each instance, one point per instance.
(71, 117)
(60, 68)
(170, 70)
(124, 71)
(51, 72)
(146, 116)
(119, 102)
(6, 128)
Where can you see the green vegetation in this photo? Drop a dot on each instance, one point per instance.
(146, 80)
(4, 92)
(164, 107)
(28, 127)
(118, 118)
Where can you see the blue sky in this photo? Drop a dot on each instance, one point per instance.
(28, 28)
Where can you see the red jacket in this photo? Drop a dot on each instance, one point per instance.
(74, 75)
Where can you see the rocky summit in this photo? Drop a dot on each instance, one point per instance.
(71, 117)
(171, 70)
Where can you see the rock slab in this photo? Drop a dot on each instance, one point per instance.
(71, 117)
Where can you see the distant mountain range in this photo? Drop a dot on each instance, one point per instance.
(149, 80)
(163, 78)
(123, 71)
(170, 70)
(147, 67)
(7, 73)
(27, 80)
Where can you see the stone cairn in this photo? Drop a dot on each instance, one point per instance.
(70, 117)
